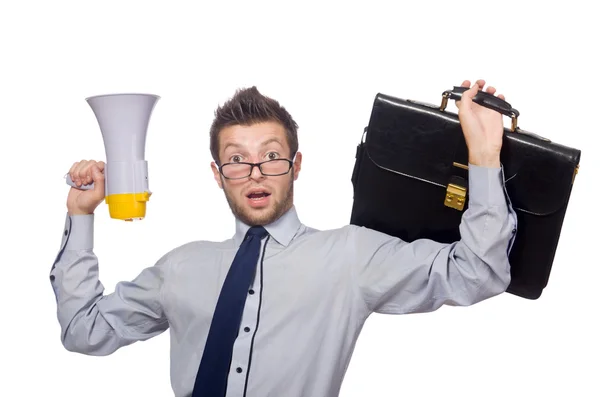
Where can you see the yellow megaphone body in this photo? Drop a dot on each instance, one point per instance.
(123, 120)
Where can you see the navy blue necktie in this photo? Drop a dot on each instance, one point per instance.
(211, 380)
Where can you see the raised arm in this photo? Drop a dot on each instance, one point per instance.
(397, 277)
(394, 276)
(91, 322)
(94, 323)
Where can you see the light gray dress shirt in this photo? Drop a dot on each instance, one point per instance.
(312, 293)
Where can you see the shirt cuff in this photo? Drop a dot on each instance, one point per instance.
(79, 231)
(486, 185)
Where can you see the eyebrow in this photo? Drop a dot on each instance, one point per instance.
(265, 143)
(235, 145)
(268, 141)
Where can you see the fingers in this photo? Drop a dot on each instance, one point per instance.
(480, 84)
(84, 171)
(468, 95)
(465, 84)
(98, 178)
(490, 90)
(94, 170)
(72, 170)
(75, 172)
(471, 92)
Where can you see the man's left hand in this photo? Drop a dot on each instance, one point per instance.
(483, 128)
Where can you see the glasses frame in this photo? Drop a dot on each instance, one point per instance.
(259, 165)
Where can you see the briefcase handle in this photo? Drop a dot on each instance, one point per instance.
(484, 99)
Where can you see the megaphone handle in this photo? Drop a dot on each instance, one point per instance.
(82, 187)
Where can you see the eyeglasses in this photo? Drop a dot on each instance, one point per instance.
(267, 168)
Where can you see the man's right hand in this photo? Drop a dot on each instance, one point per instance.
(85, 172)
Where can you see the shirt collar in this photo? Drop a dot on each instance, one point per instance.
(282, 229)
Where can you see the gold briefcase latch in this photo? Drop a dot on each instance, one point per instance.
(455, 196)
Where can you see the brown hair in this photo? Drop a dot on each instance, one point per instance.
(246, 107)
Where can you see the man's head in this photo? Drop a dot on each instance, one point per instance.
(252, 128)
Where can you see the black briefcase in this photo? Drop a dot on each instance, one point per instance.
(410, 180)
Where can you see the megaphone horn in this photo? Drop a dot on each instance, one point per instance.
(123, 120)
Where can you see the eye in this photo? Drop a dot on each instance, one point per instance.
(236, 159)
(272, 155)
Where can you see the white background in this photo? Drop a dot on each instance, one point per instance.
(325, 62)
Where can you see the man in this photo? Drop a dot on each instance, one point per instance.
(276, 310)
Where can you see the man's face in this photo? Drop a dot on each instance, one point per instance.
(256, 199)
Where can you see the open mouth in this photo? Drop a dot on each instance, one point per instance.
(258, 195)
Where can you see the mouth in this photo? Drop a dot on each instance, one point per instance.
(258, 197)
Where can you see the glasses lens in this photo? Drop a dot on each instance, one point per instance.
(275, 167)
(233, 170)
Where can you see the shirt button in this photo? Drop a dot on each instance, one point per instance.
(514, 231)
(66, 232)
(52, 277)
(251, 292)
(247, 329)
(239, 370)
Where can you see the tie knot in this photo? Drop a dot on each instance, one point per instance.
(256, 231)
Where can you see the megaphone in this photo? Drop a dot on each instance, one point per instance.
(123, 120)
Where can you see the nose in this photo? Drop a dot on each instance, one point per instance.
(256, 174)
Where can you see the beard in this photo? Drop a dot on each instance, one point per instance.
(264, 216)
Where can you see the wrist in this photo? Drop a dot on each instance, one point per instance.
(72, 212)
(485, 160)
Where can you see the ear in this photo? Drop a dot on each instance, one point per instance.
(216, 174)
(297, 165)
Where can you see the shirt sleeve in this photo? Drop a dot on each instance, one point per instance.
(91, 322)
(397, 277)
